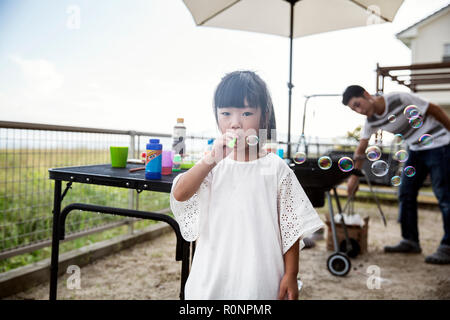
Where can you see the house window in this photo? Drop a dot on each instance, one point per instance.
(446, 57)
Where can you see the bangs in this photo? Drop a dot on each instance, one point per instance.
(237, 87)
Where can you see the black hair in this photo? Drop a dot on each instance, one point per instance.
(352, 92)
(237, 86)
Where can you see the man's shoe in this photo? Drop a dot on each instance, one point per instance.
(308, 243)
(404, 246)
(441, 256)
(318, 235)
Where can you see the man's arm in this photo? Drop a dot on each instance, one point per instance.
(360, 153)
(439, 114)
(358, 157)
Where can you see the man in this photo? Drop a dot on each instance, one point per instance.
(387, 112)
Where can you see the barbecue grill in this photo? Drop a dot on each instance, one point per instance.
(317, 183)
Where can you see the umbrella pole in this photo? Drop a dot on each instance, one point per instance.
(290, 85)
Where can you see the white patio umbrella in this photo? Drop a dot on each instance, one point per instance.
(291, 18)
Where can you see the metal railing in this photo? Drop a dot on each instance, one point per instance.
(417, 77)
(28, 150)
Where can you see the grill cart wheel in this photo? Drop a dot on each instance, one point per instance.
(355, 247)
(339, 264)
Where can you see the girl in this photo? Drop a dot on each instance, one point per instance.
(244, 207)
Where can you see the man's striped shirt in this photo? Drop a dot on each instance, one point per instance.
(395, 103)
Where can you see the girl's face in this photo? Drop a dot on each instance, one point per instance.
(242, 121)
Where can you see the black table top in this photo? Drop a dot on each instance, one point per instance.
(106, 175)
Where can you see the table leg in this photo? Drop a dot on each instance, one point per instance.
(186, 264)
(55, 241)
(182, 249)
(184, 267)
(192, 251)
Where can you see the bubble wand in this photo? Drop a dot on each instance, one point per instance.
(232, 143)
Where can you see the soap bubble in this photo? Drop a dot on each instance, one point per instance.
(392, 118)
(345, 164)
(396, 181)
(380, 168)
(410, 171)
(373, 153)
(324, 163)
(416, 122)
(299, 158)
(398, 139)
(401, 155)
(411, 112)
(426, 140)
(252, 140)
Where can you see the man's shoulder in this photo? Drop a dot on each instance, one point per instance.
(394, 100)
(399, 94)
(395, 94)
(401, 98)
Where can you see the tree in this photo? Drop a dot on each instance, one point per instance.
(355, 134)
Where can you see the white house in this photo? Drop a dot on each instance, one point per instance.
(429, 41)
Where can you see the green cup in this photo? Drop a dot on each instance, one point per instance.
(119, 156)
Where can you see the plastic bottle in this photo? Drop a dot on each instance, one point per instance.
(167, 162)
(179, 138)
(271, 147)
(210, 146)
(176, 163)
(153, 160)
(280, 153)
(187, 162)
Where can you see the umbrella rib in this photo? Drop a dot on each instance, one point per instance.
(366, 8)
(218, 12)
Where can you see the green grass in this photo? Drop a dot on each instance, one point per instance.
(26, 202)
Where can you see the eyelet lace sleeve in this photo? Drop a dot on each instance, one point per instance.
(297, 217)
(189, 213)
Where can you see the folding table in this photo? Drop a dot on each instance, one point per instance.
(114, 177)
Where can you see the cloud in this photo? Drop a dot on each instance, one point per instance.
(41, 75)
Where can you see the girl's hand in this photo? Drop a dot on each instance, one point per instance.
(288, 288)
(221, 148)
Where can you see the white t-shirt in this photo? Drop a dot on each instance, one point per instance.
(395, 103)
(244, 217)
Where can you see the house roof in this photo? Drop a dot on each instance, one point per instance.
(411, 31)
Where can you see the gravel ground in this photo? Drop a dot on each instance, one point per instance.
(149, 270)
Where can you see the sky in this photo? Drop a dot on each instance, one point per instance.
(141, 64)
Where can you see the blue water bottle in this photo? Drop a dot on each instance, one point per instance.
(153, 161)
